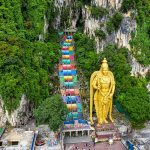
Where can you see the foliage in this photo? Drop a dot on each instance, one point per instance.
(100, 34)
(65, 17)
(98, 12)
(51, 111)
(114, 22)
(25, 63)
(85, 53)
(109, 27)
(127, 5)
(84, 2)
(140, 43)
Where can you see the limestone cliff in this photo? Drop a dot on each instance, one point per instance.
(18, 117)
(121, 37)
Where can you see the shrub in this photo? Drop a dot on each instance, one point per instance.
(127, 5)
(109, 27)
(52, 111)
(100, 34)
(98, 12)
(114, 22)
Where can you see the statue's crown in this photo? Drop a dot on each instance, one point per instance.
(104, 64)
(104, 60)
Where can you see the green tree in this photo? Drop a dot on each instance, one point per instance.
(51, 111)
(26, 62)
(98, 12)
(114, 22)
(100, 34)
(87, 58)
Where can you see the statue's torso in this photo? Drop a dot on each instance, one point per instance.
(104, 82)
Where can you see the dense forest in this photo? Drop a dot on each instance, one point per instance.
(28, 53)
(26, 63)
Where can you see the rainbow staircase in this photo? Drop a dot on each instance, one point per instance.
(69, 86)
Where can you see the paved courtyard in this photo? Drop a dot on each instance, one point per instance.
(84, 139)
(99, 146)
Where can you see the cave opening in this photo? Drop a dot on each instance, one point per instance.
(80, 22)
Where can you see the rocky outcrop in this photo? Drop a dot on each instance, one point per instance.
(18, 117)
(137, 68)
(123, 35)
(3, 117)
(148, 86)
(45, 28)
(116, 4)
(73, 13)
(120, 37)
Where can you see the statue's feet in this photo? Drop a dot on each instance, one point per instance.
(111, 119)
(105, 121)
(91, 120)
(98, 125)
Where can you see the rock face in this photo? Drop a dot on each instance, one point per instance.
(108, 3)
(18, 117)
(138, 69)
(148, 86)
(121, 37)
(45, 28)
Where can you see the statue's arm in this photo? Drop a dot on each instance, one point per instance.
(113, 90)
(95, 83)
(112, 85)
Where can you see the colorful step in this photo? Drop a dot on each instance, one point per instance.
(69, 85)
(67, 72)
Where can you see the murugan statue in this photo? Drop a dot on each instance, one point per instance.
(102, 87)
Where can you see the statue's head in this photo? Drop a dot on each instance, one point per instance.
(104, 67)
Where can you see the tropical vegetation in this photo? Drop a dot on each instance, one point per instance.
(52, 111)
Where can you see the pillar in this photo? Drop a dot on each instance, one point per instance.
(88, 132)
(70, 133)
(82, 132)
(76, 133)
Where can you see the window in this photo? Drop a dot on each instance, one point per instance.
(14, 142)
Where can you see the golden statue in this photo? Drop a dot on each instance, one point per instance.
(102, 87)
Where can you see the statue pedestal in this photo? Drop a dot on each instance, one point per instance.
(106, 131)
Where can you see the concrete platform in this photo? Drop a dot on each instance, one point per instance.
(99, 146)
(80, 139)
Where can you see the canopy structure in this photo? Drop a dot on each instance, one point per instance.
(70, 31)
